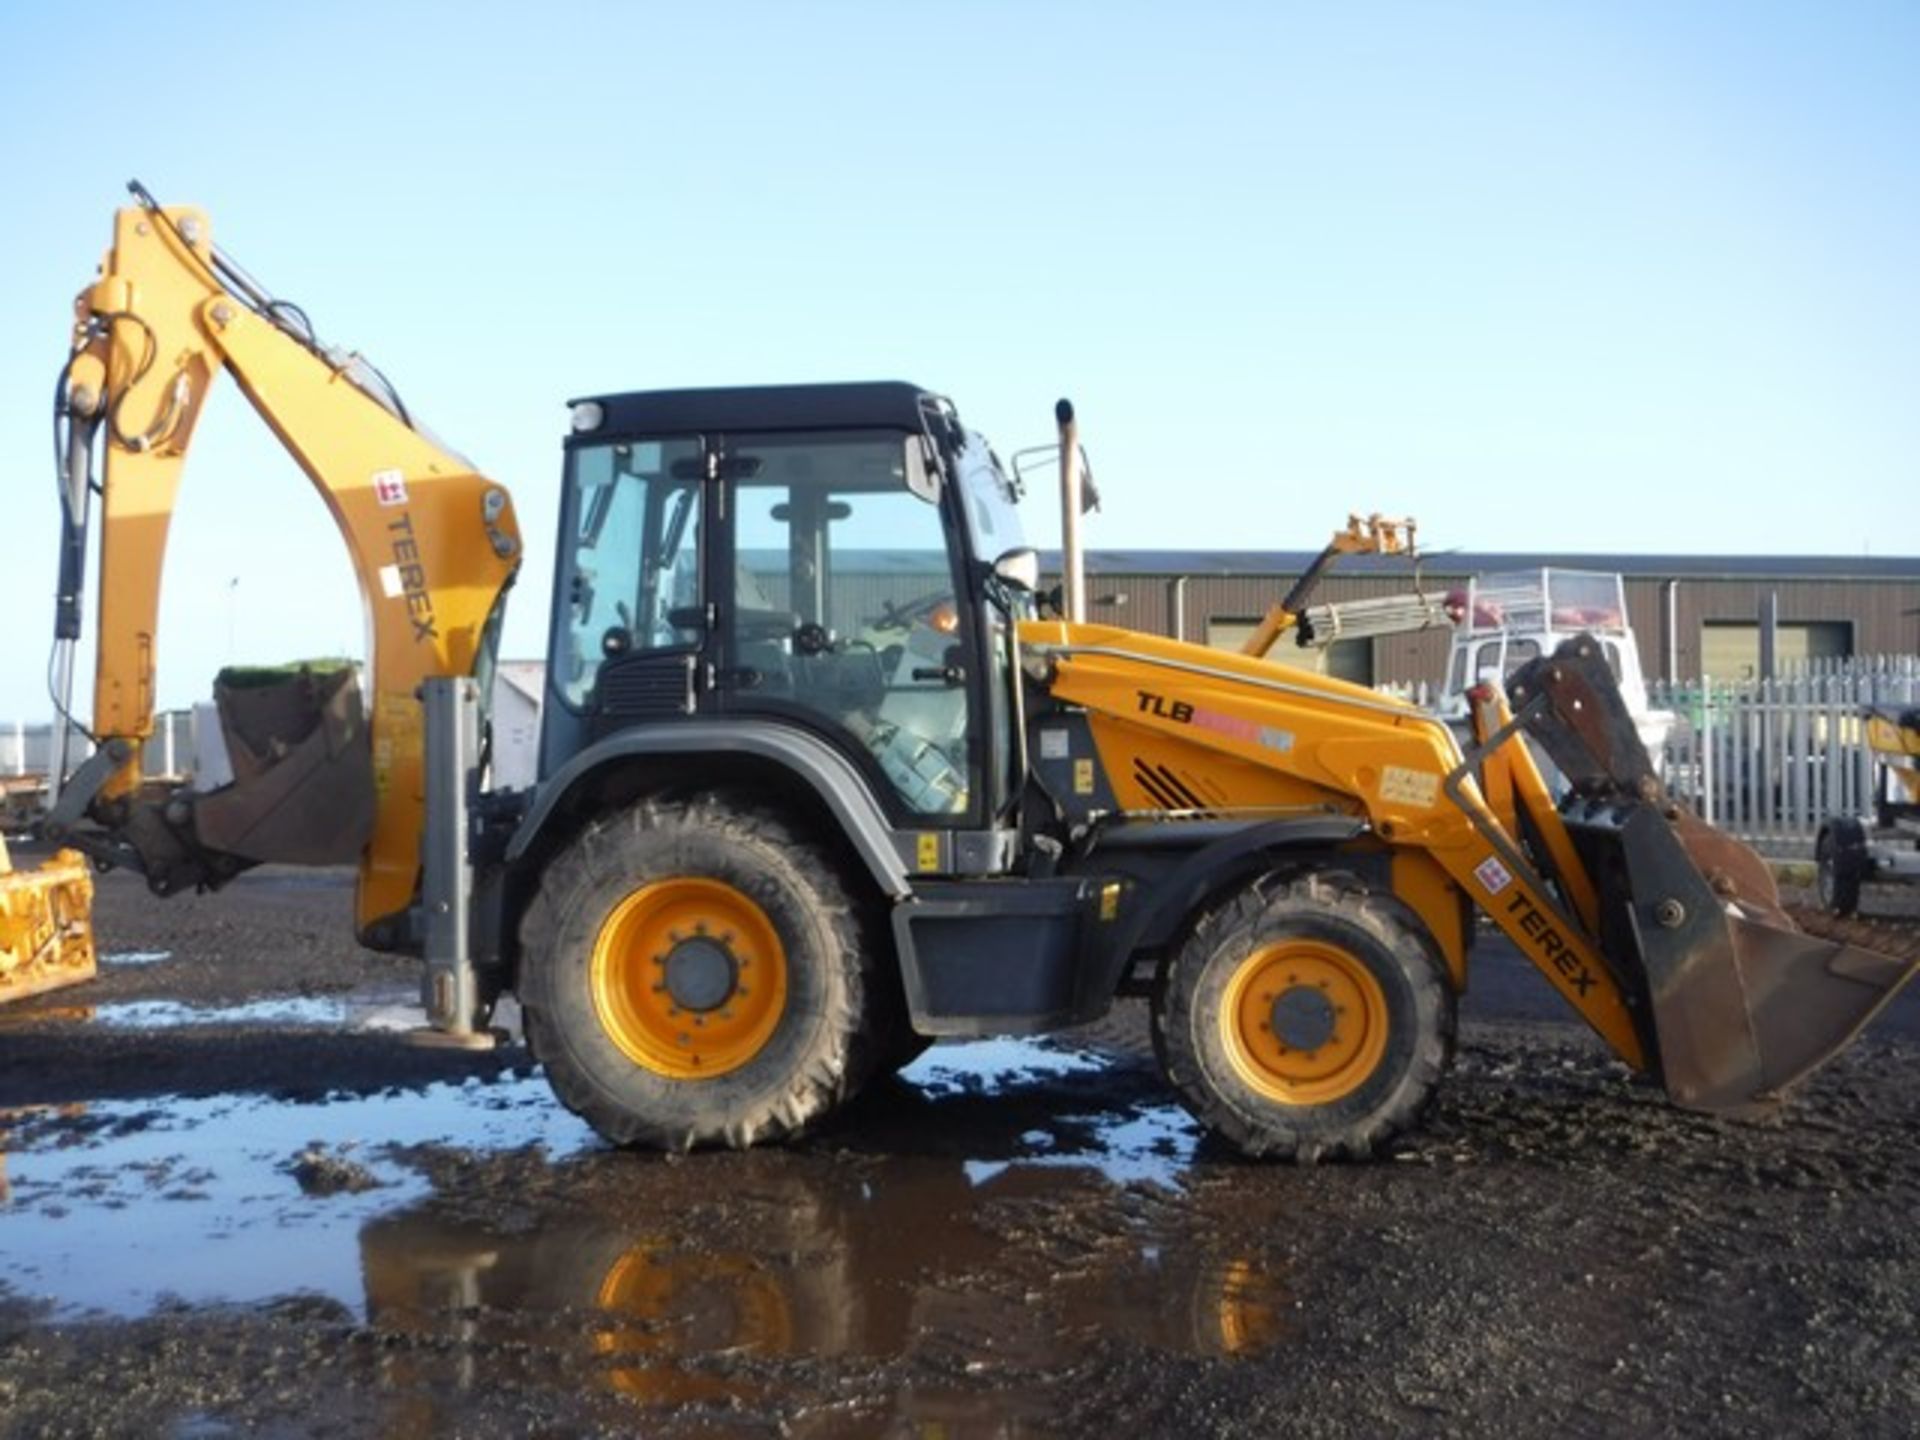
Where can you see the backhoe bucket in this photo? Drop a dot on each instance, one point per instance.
(302, 788)
(46, 925)
(1735, 1003)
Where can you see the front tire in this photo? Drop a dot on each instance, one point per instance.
(1305, 1018)
(693, 975)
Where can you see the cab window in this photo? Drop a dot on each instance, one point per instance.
(633, 566)
(842, 603)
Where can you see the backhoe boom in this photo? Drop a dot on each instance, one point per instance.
(434, 546)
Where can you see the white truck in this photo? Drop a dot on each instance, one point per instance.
(1501, 621)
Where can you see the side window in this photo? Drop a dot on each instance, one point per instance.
(1519, 652)
(843, 603)
(634, 569)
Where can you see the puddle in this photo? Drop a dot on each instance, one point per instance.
(171, 1014)
(139, 1203)
(1152, 1141)
(916, 1266)
(979, 1226)
(395, 1010)
(974, 1064)
(136, 957)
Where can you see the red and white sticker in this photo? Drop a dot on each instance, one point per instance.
(390, 487)
(1492, 875)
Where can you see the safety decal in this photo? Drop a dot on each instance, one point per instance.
(1083, 777)
(927, 850)
(390, 487)
(1418, 788)
(1492, 875)
(1054, 745)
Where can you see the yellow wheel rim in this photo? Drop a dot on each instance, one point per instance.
(1304, 1022)
(689, 978)
(663, 1310)
(1244, 1310)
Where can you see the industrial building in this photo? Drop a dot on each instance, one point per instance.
(1693, 615)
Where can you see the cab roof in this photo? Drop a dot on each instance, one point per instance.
(877, 404)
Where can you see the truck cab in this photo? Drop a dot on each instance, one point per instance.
(809, 561)
(1512, 618)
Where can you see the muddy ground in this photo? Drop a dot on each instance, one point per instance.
(233, 1201)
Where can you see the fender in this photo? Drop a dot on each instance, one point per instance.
(816, 764)
(1213, 853)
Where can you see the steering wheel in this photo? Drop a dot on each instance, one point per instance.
(906, 614)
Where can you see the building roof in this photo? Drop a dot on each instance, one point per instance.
(1472, 562)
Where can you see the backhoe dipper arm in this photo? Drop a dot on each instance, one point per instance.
(434, 544)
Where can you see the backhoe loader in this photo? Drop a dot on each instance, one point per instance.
(817, 783)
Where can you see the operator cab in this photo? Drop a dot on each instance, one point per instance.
(812, 555)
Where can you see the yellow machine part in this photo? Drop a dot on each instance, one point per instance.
(1895, 742)
(46, 925)
(1658, 912)
(1887, 736)
(1241, 738)
(433, 542)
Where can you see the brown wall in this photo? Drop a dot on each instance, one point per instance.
(1885, 614)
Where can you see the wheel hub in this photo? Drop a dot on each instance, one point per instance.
(1303, 1018)
(700, 974)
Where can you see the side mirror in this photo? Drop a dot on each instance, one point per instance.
(1020, 569)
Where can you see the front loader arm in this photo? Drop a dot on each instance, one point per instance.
(1666, 936)
(1238, 734)
(434, 544)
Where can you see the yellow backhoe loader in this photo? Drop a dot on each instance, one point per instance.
(46, 925)
(816, 784)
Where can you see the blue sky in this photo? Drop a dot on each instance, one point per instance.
(1546, 276)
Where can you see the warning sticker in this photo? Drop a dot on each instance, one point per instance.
(1083, 777)
(390, 487)
(1418, 788)
(1493, 875)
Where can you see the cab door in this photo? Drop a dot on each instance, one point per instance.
(630, 631)
(838, 610)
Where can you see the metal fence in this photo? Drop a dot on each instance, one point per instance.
(26, 747)
(1767, 760)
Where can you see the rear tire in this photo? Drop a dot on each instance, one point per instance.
(1305, 1019)
(1839, 861)
(693, 975)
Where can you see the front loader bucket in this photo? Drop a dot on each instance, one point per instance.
(46, 925)
(1733, 1001)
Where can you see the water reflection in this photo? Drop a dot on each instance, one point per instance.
(732, 1264)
